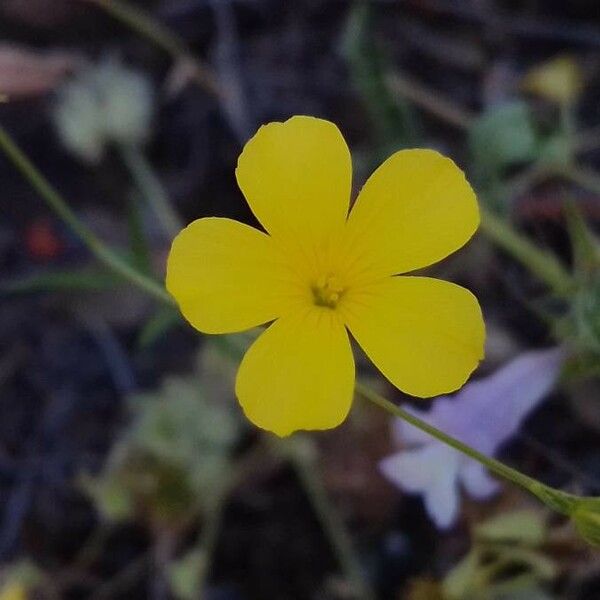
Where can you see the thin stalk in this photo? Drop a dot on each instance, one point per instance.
(151, 188)
(555, 499)
(333, 525)
(165, 544)
(209, 536)
(541, 264)
(430, 100)
(145, 25)
(57, 203)
(584, 178)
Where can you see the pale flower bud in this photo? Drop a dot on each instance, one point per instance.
(105, 103)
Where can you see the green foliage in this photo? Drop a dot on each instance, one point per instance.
(393, 119)
(502, 137)
(521, 526)
(157, 325)
(19, 577)
(140, 251)
(556, 149)
(184, 574)
(582, 323)
(88, 280)
(585, 245)
(505, 562)
(586, 517)
(174, 460)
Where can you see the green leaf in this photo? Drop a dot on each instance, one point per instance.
(140, 252)
(66, 280)
(111, 496)
(585, 246)
(501, 137)
(586, 518)
(527, 590)
(533, 562)
(556, 149)
(394, 120)
(522, 526)
(184, 574)
(460, 581)
(179, 426)
(157, 325)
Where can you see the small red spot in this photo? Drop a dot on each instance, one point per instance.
(42, 242)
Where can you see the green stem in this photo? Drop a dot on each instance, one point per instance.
(151, 188)
(332, 524)
(555, 499)
(208, 543)
(543, 265)
(57, 203)
(143, 23)
(584, 178)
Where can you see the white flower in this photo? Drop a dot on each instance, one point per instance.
(104, 103)
(484, 415)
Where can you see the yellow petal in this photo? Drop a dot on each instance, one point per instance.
(416, 209)
(299, 374)
(560, 79)
(425, 335)
(296, 177)
(226, 276)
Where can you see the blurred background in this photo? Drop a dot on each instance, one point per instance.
(126, 467)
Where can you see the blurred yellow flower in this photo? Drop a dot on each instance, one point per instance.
(559, 80)
(319, 271)
(13, 591)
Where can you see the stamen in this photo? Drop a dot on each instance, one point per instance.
(327, 291)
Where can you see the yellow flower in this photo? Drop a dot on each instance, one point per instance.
(559, 80)
(13, 591)
(319, 272)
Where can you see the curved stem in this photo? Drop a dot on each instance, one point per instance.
(332, 524)
(555, 499)
(543, 265)
(208, 543)
(584, 178)
(143, 23)
(151, 188)
(429, 100)
(57, 203)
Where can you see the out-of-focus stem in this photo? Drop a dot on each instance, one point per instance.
(144, 24)
(208, 543)
(584, 178)
(542, 264)
(333, 526)
(58, 204)
(151, 189)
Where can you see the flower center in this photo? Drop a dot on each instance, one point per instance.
(327, 291)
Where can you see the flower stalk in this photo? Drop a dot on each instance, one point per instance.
(333, 525)
(543, 265)
(145, 25)
(562, 502)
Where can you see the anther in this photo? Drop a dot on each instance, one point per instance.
(327, 291)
